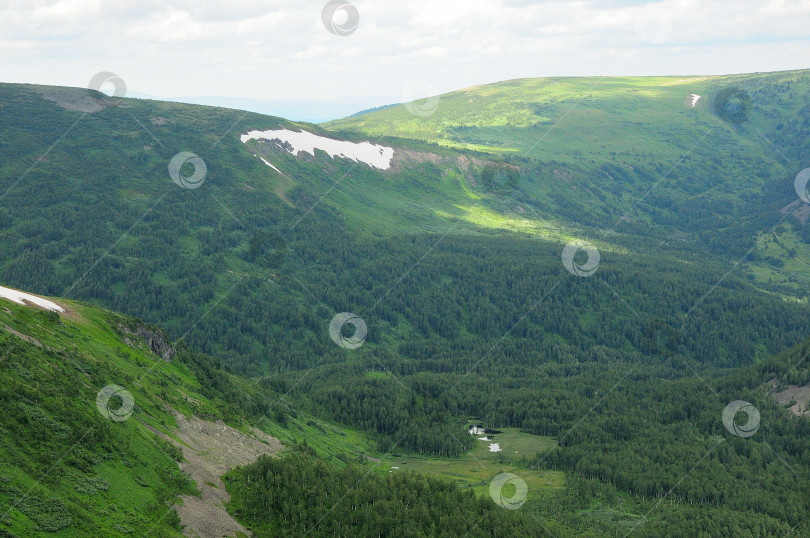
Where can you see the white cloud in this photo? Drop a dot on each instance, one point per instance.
(280, 50)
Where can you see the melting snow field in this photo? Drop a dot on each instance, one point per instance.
(20, 297)
(371, 154)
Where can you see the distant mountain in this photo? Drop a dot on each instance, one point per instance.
(374, 109)
(575, 119)
(592, 267)
(308, 111)
(712, 158)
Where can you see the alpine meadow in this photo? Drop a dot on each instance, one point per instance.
(534, 306)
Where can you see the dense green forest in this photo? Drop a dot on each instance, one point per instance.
(300, 495)
(457, 273)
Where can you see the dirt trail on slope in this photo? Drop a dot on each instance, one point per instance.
(214, 448)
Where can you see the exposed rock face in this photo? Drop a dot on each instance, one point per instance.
(155, 339)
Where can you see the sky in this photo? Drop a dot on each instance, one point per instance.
(345, 56)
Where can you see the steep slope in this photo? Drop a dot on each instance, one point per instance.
(82, 461)
(711, 159)
(92, 428)
(457, 271)
(75, 460)
(236, 271)
(571, 120)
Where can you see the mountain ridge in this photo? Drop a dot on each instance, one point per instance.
(582, 305)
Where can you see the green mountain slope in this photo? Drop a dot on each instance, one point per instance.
(237, 271)
(571, 120)
(632, 154)
(70, 470)
(81, 455)
(66, 466)
(453, 260)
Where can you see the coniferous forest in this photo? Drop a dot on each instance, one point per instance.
(598, 310)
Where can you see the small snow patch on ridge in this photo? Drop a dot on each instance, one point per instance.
(366, 152)
(20, 297)
(268, 163)
(694, 98)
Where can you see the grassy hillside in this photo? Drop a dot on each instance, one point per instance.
(68, 468)
(594, 119)
(236, 271)
(454, 261)
(633, 154)
(65, 467)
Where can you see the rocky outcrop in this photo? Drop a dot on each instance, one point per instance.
(155, 339)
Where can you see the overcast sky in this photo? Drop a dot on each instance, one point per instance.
(283, 50)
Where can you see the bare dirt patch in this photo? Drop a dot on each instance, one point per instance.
(794, 393)
(210, 450)
(404, 157)
(72, 315)
(74, 99)
(799, 210)
(281, 193)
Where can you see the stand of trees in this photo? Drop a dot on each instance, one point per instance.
(299, 495)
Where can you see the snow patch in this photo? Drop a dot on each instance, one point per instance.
(20, 297)
(695, 97)
(268, 163)
(494, 447)
(366, 152)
